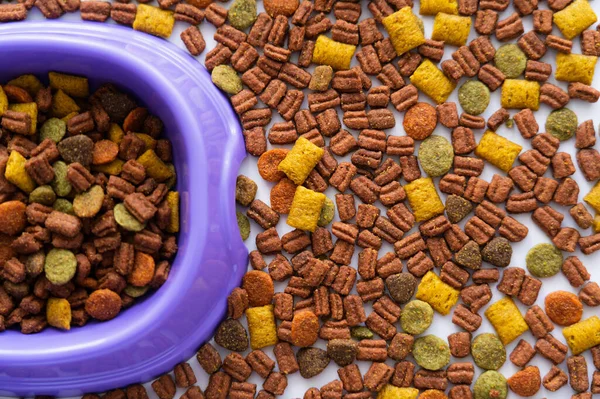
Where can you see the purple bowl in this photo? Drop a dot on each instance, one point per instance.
(166, 328)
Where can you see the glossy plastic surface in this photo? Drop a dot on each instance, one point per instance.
(167, 327)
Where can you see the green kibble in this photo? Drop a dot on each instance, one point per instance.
(491, 385)
(327, 213)
(60, 184)
(360, 333)
(64, 206)
(562, 123)
(60, 266)
(43, 195)
(436, 155)
(544, 260)
(488, 351)
(457, 208)
(416, 317)
(243, 224)
(510, 60)
(126, 220)
(474, 97)
(321, 78)
(431, 352)
(227, 79)
(53, 129)
(89, 203)
(242, 14)
(135, 292)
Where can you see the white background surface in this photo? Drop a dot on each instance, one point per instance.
(442, 325)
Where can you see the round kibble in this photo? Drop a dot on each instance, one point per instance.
(60, 266)
(63, 205)
(342, 351)
(53, 129)
(312, 361)
(78, 148)
(242, 14)
(360, 332)
(526, 382)
(282, 196)
(226, 79)
(327, 213)
(105, 151)
(416, 317)
(474, 97)
(401, 286)
(564, 308)
(281, 7)
(268, 163)
(12, 217)
(232, 335)
(544, 260)
(143, 270)
(498, 252)
(126, 220)
(259, 286)
(431, 352)
(436, 155)
(457, 208)
(43, 195)
(488, 351)
(420, 121)
(490, 385)
(510, 60)
(89, 203)
(562, 123)
(136, 292)
(243, 224)
(305, 329)
(103, 304)
(245, 190)
(60, 184)
(34, 263)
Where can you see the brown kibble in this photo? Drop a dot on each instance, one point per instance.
(522, 354)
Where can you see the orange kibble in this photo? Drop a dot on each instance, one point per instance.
(305, 328)
(143, 270)
(420, 121)
(282, 196)
(433, 394)
(268, 163)
(103, 304)
(134, 122)
(259, 286)
(281, 7)
(563, 308)
(105, 151)
(12, 217)
(526, 382)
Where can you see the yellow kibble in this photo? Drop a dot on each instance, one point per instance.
(300, 161)
(155, 167)
(30, 83)
(404, 30)
(115, 133)
(150, 143)
(306, 209)
(583, 335)
(3, 102)
(30, 109)
(424, 199)
(497, 150)
(432, 7)
(431, 80)
(173, 202)
(438, 294)
(519, 94)
(63, 105)
(261, 326)
(16, 174)
(575, 68)
(593, 197)
(506, 319)
(574, 18)
(335, 54)
(75, 86)
(451, 29)
(112, 168)
(58, 313)
(154, 21)
(390, 391)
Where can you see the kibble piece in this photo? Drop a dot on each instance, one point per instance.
(432, 81)
(390, 391)
(30, 109)
(488, 351)
(575, 67)
(154, 21)
(404, 30)
(592, 198)
(227, 79)
(526, 382)
(510, 60)
(562, 123)
(436, 155)
(261, 326)
(498, 252)
(76, 86)
(491, 385)
(583, 335)
(242, 14)
(431, 352)
(60, 266)
(438, 294)
(306, 209)
(103, 304)
(432, 7)
(342, 351)
(420, 121)
(424, 199)
(498, 150)
(544, 260)
(401, 286)
(563, 308)
(575, 18)
(474, 97)
(416, 317)
(507, 320)
(335, 54)
(300, 161)
(451, 29)
(519, 94)
(16, 173)
(58, 313)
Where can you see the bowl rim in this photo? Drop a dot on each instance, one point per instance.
(207, 186)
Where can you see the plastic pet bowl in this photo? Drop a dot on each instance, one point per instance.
(167, 327)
